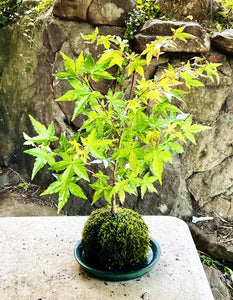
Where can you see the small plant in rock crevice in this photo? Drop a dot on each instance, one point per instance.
(27, 17)
(127, 136)
(224, 17)
(30, 16)
(145, 10)
(34, 12)
(216, 264)
(8, 9)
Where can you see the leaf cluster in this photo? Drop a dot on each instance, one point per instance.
(129, 136)
(224, 17)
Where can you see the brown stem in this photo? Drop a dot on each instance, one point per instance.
(132, 85)
(113, 205)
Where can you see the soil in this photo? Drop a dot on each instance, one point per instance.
(218, 226)
(30, 193)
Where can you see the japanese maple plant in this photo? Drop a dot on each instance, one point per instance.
(127, 135)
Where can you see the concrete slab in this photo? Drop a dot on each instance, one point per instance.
(37, 262)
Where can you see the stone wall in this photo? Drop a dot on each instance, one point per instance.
(201, 177)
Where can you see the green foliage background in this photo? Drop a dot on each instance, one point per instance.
(7, 10)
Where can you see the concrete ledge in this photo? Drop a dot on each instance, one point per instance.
(37, 262)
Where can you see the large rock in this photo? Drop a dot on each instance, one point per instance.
(113, 12)
(217, 284)
(198, 44)
(201, 11)
(223, 40)
(27, 84)
(96, 12)
(210, 243)
(211, 192)
(208, 165)
(71, 9)
(26, 87)
(205, 103)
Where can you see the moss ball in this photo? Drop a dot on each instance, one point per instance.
(117, 240)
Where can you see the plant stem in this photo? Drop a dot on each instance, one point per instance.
(113, 205)
(132, 85)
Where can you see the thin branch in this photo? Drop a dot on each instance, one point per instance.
(132, 84)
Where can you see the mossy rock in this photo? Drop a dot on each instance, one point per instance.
(116, 241)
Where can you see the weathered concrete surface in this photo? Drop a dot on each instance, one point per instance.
(37, 262)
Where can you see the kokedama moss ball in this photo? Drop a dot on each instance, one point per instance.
(115, 240)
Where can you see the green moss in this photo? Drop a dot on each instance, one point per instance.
(115, 240)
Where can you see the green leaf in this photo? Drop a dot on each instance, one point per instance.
(76, 190)
(79, 170)
(163, 107)
(51, 130)
(147, 183)
(190, 137)
(133, 161)
(39, 164)
(37, 152)
(61, 165)
(197, 128)
(66, 177)
(190, 79)
(63, 75)
(188, 121)
(69, 96)
(96, 74)
(157, 165)
(75, 83)
(79, 106)
(92, 36)
(38, 127)
(63, 198)
(179, 34)
(105, 40)
(136, 65)
(63, 142)
(45, 135)
(69, 64)
(97, 147)
(53, 188)
(175, 147)
(79, 64)
(97, 195)
(107, 194)
(89, 63)
(196, 82)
